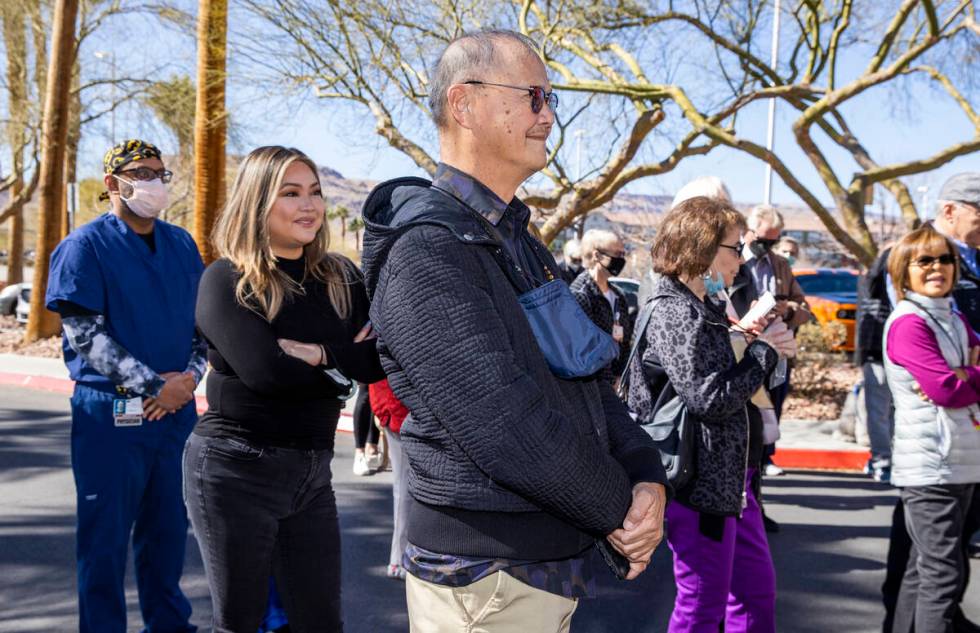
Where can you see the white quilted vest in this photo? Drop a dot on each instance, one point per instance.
(932, 444)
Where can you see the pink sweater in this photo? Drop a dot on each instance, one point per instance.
(912, 344)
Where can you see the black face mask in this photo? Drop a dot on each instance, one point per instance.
(760, 247)
(615, 266)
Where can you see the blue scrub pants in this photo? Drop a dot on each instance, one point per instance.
(128, 481)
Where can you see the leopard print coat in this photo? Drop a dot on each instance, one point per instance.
(690, 338)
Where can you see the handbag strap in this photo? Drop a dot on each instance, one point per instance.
(639, 333)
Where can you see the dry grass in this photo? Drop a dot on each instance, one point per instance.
(821, 379)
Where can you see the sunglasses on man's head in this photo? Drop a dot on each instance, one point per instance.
(928, 260)
(538, 96)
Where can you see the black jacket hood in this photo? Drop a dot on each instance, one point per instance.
(395, 206)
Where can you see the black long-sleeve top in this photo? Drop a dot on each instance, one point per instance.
(255, 390)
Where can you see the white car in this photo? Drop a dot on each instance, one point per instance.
(23, 303)
(8, 299)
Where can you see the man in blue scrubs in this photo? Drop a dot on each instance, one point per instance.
(125, 285)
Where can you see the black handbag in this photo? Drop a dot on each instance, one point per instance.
(669, 424)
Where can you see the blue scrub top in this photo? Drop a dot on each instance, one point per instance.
(147, 298)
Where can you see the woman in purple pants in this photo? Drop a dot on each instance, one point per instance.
(722, 566)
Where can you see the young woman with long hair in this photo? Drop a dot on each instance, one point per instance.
(287, 330)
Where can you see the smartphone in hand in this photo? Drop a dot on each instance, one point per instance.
(619, 564)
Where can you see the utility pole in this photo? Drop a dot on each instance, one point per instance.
(771, 131)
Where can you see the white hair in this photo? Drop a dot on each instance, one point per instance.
(594, 240)
(703, 186)
(764, 213)
(572, 248)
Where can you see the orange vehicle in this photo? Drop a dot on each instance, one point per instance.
(831, 294)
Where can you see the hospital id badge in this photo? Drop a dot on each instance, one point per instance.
(127, 411)
(617, 333)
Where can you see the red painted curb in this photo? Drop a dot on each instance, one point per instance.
(66, 386)
(816, 459)
(46, 383)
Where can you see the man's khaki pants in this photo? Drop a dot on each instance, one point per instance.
(496, 604)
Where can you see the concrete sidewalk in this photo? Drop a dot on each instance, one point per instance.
(805, 444)
(50, 374)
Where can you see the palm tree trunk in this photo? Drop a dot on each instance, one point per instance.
(15, 42)
(210, 122)
(15, 258)
(43, 323)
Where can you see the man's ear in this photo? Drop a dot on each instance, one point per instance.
(111, 185)
(948, 211)
(458, 100)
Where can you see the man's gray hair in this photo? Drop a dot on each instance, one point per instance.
(466, 59)
(765, 213)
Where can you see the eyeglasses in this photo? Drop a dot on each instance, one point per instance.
(613, 256)
(147, 174)
(927, 261)
(738, 247)
(538, 96)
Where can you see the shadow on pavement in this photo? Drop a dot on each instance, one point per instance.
(32, 440)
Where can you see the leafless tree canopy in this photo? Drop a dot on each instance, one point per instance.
(660, 81)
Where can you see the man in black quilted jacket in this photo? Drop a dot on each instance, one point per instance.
(515, 473)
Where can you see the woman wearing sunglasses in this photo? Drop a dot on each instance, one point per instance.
(930, 359)
(722, 566)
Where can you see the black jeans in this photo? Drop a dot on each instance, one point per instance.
(933, 582)
(258, 511)
(365, 430)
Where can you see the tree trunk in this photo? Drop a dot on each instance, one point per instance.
(39, 31)
(15, 258)
(15, 41)
(43, 323)
(210, 122)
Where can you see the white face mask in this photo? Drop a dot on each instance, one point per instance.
(148, 199)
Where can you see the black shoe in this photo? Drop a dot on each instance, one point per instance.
(962, 625)
(771, 526)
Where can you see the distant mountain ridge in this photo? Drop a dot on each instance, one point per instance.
(636, 210)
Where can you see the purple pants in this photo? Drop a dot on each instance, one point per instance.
(723, 571)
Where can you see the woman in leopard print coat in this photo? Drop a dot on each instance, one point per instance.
(722, 566)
